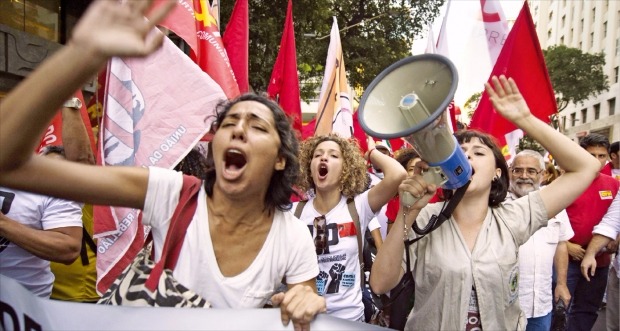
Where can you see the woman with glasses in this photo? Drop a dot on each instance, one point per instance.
(335, 170)
(466, 271)
(241, 242)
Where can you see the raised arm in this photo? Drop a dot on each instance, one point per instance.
(107, 29)
(387, 188)
(581, 168)
(75, 138)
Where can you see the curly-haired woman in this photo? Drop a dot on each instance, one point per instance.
(335, 169)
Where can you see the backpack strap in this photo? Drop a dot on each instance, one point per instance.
(300, 207)
(356, 219)
(180, 220)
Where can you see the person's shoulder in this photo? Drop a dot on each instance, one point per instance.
(287, 221)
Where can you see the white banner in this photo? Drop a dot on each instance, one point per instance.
(21, 310)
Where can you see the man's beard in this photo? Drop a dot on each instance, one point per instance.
(517, 187)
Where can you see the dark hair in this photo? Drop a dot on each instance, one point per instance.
(281, 184)
(594, 140)
(193, 164)
(614, 147)
(403, 156)
(499, 188)
(51, 149)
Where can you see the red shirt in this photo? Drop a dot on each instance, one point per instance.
(606, 170)
(588, 210)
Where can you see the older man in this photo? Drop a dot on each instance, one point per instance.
(537, 255)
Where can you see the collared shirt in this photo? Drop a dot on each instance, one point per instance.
(610, 227)
(445, 269)
(536, 264)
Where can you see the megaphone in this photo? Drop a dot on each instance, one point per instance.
(410, 99)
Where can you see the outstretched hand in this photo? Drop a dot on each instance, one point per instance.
(113, 28)
(506, 98)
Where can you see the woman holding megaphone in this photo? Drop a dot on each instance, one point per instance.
(466, 271)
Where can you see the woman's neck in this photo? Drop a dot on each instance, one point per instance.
(472, 209)
(234, 212)
(326, 201)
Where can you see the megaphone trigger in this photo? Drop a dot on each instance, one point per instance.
(433, 175)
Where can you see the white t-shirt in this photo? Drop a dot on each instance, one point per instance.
(38, 212)
(536, 265)
(380, 220)
(338, 280)
(287, 251)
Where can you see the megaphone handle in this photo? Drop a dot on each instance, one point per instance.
(433, 175)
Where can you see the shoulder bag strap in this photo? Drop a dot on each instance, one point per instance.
(182, 217)
(356, 219)
(87, 240)
(300, 208)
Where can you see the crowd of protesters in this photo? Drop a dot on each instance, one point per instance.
(479, 270)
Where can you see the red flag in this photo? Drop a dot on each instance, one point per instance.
(154, 114)
(236, 41)
(521, 58)
(53, 134)
(195, 24)
(284, 82)
(211, 54)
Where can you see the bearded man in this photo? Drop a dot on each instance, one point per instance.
(538, 254)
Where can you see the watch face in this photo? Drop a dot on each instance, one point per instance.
(74, 103)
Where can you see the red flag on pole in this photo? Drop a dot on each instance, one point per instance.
(211, 54)
(236, 41)
(284, 82)
(194, 23)
(522, 59)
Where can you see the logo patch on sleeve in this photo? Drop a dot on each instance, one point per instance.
(605, 195)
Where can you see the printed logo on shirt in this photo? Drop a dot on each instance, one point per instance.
(513, 285)
(605, 195)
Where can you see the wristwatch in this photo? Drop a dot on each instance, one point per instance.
(74, 103)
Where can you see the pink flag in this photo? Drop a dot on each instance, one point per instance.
(522, 59)
(154, 114)
(284, 82)
(237, 43)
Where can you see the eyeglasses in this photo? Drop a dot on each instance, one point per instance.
(529, 171)
(320, 241)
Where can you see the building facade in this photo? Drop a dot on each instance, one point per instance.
(592, 26)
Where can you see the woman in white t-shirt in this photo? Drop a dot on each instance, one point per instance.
(241, 242)
(335, 169)
(466, 271)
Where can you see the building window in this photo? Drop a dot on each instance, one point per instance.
(563, 21)
(550, 16)
(591, 39)
(618, 46)
(38, 17)
(549, 33)
(581, 25)
(597, 111)
(615, 74)
(580, 45)
(562, 40)
(584, 115)
(573, 119)
(605, 29)
(593, 14)
(612, 106)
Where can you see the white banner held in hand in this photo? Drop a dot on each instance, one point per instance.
(22, 310)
